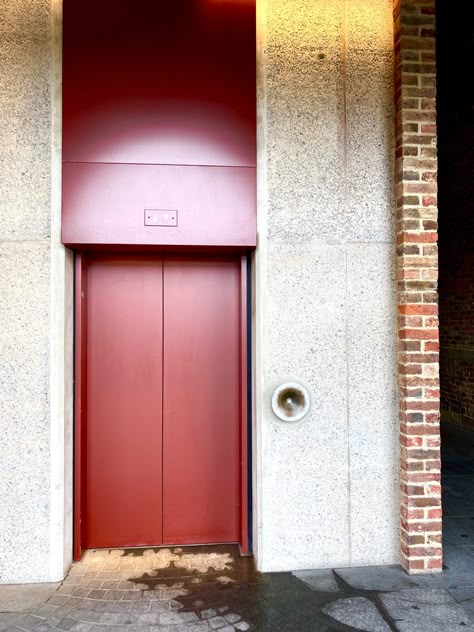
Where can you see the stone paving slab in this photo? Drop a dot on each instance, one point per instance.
(357, 612)
(465, 597)
(381, 578)
(458, 571)
(25, 597)
(7, 620)
(322, 581)
(426, 611)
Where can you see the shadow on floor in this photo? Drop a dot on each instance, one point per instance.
(458, 495)
(201, 589)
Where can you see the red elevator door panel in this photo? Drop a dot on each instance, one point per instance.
(124, 401)
(201, 412)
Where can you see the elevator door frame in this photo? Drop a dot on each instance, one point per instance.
(80, 402)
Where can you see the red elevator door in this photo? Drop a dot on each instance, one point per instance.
(201, 412)
(163, 418)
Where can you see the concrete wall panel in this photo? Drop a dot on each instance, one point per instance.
(306, 485)
(305, 143)
(24, 395)
(35, 360)
(328, 488)
(372, 404)
(25, 130)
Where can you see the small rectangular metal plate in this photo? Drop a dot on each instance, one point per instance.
(160, 217)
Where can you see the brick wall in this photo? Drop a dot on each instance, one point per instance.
(456, 202)
(417, 269)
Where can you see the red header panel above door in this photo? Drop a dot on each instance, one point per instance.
(107, 204)
(159, 82)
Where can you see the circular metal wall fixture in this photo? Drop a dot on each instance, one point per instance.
(291, 402)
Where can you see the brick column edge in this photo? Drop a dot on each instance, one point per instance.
(417, 277)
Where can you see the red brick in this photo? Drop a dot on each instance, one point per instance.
(425, 310)
(435, 513)
(419, 334)
(435, 563)
(426, 526)
(417, 238)
(424, 551)
(424, 502)
(430, 200)
(413, 565)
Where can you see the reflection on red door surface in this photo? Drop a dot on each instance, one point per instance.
(162, 455)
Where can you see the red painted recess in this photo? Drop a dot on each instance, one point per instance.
(159, 82)
(159, 116)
